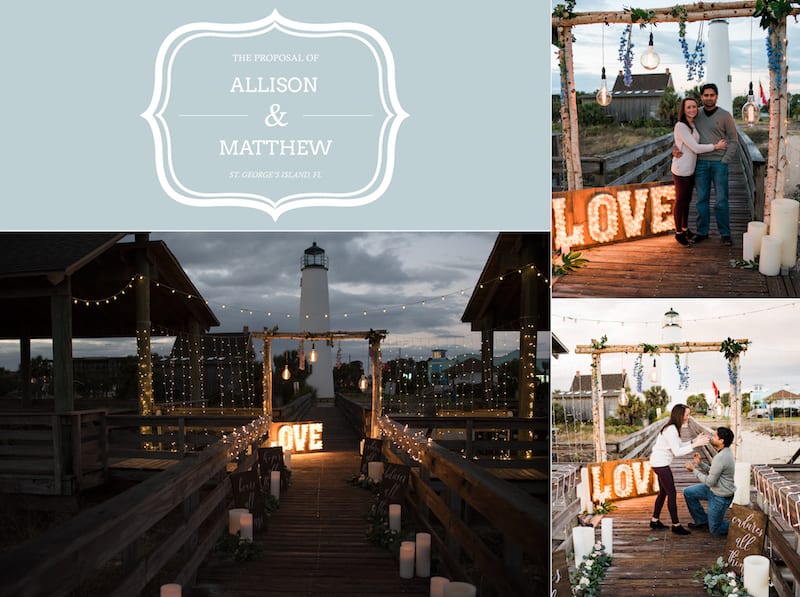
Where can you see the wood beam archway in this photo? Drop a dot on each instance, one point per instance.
(598, 418)
(777, 161)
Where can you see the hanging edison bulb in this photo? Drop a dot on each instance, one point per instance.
(623, 398)
(286, 374)
(751, 113)
(312, 356)
(363, 383)
(603, 96)
(650, 59)
(654, 372)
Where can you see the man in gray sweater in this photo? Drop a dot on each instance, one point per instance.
(713, 123)
(716, 486)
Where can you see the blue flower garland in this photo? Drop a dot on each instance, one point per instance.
(626, 54)
(683, 373)
(775, 58)
(638, 372)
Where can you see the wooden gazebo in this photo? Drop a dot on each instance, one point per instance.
(90, 285)
(513, 295)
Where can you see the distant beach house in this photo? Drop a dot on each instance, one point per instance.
(577, 401)
(783, 402)
(641, 99)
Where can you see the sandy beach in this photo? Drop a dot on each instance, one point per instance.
(759, 448)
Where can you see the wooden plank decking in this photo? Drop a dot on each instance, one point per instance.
(658, 563)
(316, 542)
(659, 267)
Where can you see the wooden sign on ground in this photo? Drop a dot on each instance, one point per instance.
(393, 486)
(372, 453)
(247, 494)
(745, 536)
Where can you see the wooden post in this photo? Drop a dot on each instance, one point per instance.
(777, 160)
(377, 382)
(61, 316)
(487, 363)
(570, 144)
(195, 363)
(736, 406)
(267, 379)
(598, 411)
(25, 370)
(144, 356)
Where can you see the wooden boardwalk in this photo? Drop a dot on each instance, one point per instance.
(658, 563)
(659, 267)
(316, 541)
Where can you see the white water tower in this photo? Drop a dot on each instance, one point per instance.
(314, 317)
(718, 69)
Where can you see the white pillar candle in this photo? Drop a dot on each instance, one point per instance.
(246, 526)
(741, 479)
(460, 589)
(375, 471)
(769, 263)
(749, 247)
(582, 542)
(287, 458)
(783, 224)
(607, 535)
(170, 590)
(437, 585)
(394, 517)
(423, 557)
(756, 230)
(275, 484)
(407, 559)
(755, 573)
(361, 448)
(233, 519)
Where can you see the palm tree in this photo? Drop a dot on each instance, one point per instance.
(655, 397)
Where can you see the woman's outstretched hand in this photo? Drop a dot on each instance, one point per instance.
(700, 440)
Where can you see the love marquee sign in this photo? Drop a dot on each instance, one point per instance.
(598, 216)
(620, 479)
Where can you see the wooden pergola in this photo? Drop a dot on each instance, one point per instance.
(562, 34)
(374, 338)
(597, 350)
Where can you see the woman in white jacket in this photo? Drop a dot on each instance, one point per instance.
(668, 446)
(687, 145)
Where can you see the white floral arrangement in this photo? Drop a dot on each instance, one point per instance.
(721, 582)
(585, 580)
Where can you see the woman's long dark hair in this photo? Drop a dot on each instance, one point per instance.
(676, 417)
(682, 111)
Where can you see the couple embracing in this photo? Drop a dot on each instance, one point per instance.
(705, 143)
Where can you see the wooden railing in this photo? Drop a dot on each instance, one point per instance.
(163, 527)
(650, 161)
(52, 454)
(646, 162)
(465, 507)
(467, 511)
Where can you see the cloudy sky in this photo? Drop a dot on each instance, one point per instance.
(240, 273)
(772, 326)
(588, 49)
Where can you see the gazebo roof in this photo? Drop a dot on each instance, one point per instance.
(98, 266)
(496, 302)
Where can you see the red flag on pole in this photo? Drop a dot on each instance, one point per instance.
(761, 93)
(716, 391)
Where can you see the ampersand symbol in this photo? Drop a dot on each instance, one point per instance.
(275, 118)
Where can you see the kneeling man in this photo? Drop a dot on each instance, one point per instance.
(716, 485)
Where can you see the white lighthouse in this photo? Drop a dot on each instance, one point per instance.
(718, 69)
(314, 317)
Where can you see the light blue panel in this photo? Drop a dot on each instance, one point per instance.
(472, 155)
